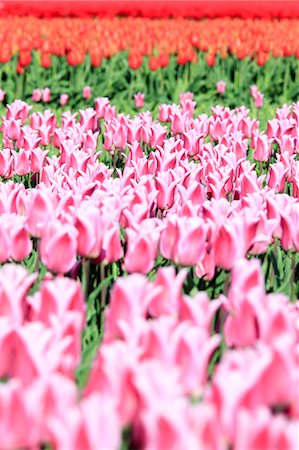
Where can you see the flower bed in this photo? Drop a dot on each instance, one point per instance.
(172, 241)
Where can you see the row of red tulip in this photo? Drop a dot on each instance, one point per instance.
(75, 38)
(152, 8)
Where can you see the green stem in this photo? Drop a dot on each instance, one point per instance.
(272, 267)
(103, 291)
(37, 261)
(226, 282)
(286, 80)
(115, 157)
(85, 277)
(292, 276)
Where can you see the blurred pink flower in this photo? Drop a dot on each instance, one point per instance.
(258, 100)
(46, 95)
(63, 99)
(36, 95)
(2, 95)
(221, 87)
(86, 93)
(253, 90)
(139, 100)
(59, 247)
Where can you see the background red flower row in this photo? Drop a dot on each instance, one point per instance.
(154, 8)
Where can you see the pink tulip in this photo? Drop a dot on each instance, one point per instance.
(5, 163)
(110, 112)
(186, 96)
(139, 100)
(59, 247)
(241, 328)
(194, 372)
(178, 122)
(276, 177)
(183, 240)
(46, 95)
(90, 233)
(226, 247)
(260, 429)
(166, 294)
(47, 302)
(64, 98)
(40, 210)
(15, 399)
(38, 157)
(47, 118)
(142, 248)
(193, 142)
(166, 187)
(112, 246)
(19, 358)
(221, 87)
(12, 303)
(164, 112)
(13, 129)
(37, 95)
(68, 120)
(141, 253)
(90, 141)
(35, 121)
(262, 148)
(88, 119)
(18, 110)
(119, 139)
(5, 242)
(28, 139)
(253, 90)
(158, 134)
(258, 100)
(188, 107)
(287, 144)
(108, 142)
(287, 231)
(45, 134)
(86, 93)
(101, 104)
(119, 385)
(21, 162)
(2, 95)
(97, 409)
(124, 314)
(21, 245)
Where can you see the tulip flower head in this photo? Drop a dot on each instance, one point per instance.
(221, 87)
(64, 98)
(139, 100)
(253, 90)
(2, 95)
(36, 95)
(258, 100)
(46, 95)
(86, 93)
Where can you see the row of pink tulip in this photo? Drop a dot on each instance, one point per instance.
(195, 189)
(44, 95)
(151, 372)
(182, 187)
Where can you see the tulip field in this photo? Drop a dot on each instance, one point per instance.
(149, 233)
